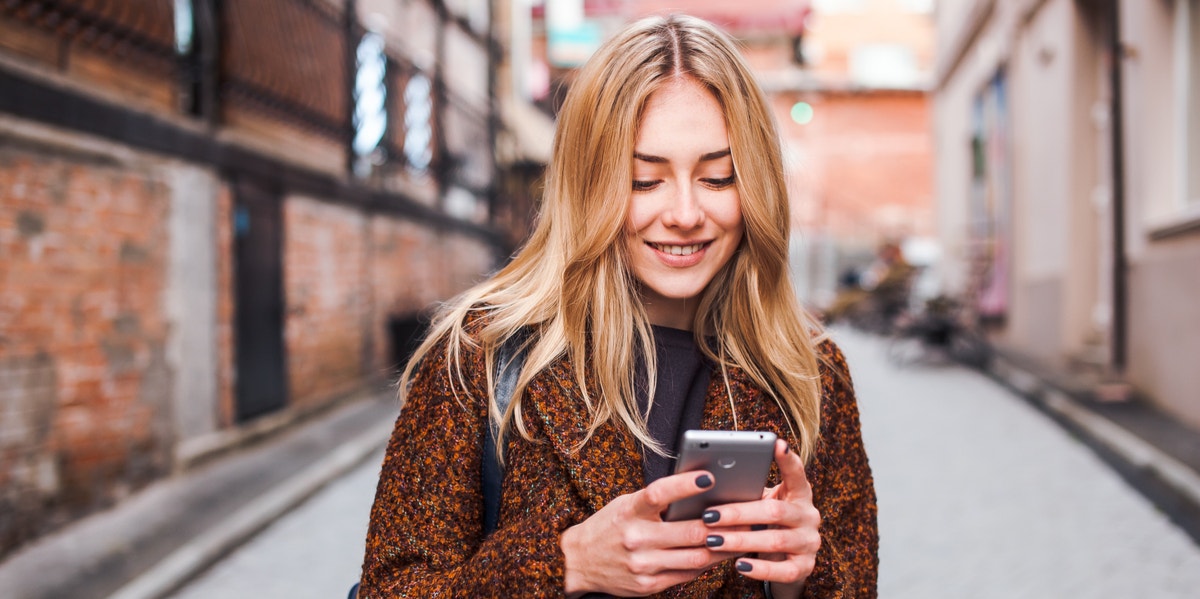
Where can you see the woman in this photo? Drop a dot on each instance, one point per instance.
(653, 292)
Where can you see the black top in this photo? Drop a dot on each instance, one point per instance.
(683, 376)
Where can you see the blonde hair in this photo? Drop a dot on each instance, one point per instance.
(571, 283)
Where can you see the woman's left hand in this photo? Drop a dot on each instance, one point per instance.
(787, 547)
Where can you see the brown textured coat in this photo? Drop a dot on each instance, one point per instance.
(425, 537)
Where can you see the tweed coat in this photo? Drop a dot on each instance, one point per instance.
(425, 535)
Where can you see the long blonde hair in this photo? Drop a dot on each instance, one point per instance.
(571, 283)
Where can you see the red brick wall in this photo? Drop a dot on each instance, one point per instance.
(865, 164)
(468, 260)
(406, 279)
(346, 276)
(324, 271)
(84, 383)
(226, 366)
(85, 388)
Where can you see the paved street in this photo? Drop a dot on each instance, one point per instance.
(314, 551)
(980, 496)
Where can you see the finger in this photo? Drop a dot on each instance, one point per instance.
(659, 535)
(695, 560)
(752, 515)
(791, 471)
(654, 499)
(767, 543)
(795, 569)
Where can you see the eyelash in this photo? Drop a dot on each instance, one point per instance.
(715, 184)
(721, 183)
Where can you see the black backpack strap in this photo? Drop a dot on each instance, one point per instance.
(510, 357)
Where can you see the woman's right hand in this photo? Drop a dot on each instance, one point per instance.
(626, 548)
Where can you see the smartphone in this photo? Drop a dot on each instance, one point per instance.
(738, 460)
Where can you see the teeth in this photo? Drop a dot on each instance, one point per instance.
(678, 250)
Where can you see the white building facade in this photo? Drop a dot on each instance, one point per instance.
(1069, 190)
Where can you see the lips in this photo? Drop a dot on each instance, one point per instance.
(678, 250)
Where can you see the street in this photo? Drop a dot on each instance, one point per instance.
(980, 496)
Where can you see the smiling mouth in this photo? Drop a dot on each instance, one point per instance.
(678, 250)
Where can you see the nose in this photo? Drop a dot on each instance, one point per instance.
(685, 211)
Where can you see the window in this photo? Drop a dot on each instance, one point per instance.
(418, 123)
(370, 104)
(184, 30)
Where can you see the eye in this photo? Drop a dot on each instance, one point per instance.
(645, 185)
(719, 183)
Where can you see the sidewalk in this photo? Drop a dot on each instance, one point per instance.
(1153, 452)
(159, 538)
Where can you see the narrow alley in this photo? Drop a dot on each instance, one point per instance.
(980, 496)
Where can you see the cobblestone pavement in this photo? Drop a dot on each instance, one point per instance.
(980, 496)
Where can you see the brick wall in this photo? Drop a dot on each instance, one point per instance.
(468, 260)
(84, 382)
(96, 270)
(407, 276)
(866, 164)
(324, 260)
(226, 366)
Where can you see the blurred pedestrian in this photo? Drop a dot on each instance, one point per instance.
(653, 293)
(878, 298)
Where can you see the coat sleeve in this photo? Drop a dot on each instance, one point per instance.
(847, 564)
(425, 534)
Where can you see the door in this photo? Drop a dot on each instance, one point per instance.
(258, 280)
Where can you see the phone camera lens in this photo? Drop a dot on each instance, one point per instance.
(704, 445)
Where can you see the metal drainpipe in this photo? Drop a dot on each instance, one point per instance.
(1120, 291)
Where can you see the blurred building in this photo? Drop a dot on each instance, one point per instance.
(848, 80)
(219, 217)
(1069, 195)
(854, 111)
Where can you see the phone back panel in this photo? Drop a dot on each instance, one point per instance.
(738, 460)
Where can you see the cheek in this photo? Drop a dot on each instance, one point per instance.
(729, 215)
(639, 217)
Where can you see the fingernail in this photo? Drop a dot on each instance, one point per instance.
(704, 481)
(711, 516)
(714, 541)
(744, 567)
(758, 527)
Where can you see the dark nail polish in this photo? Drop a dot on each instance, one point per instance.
(711, 516)
(703, 481)
(744, 567)
(758, 527)
(714, 541)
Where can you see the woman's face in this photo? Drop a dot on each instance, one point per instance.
(685, 218)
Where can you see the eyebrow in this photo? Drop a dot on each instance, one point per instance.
(660, 160)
